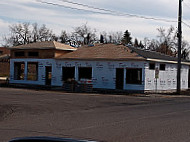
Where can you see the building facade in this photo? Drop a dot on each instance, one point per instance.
(4, 62)
(104, 66)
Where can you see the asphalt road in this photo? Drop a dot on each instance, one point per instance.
(109, 118)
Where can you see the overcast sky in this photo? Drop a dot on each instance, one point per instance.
(60, 18)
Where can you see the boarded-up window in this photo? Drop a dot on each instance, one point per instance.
(134, 76)
(68, 73)
(32, 71)
(85, 72)
(19, 70)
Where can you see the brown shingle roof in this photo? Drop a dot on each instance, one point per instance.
(44, 45)
(103, 52)
(155, 55)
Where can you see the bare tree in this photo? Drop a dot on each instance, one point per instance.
(115, 37)
(26, 33)
(167, 40)
(185, 50)
(20, 34)
(167, 43)
(45, 34)
(35, 32)
(85, 34)
(63, 37)
(146, 43)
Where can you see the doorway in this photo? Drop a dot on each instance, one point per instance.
(48, 75)
(119, 78)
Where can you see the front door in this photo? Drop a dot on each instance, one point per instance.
(48, 75)
(119, 78)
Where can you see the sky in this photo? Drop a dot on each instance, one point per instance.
(67, 14)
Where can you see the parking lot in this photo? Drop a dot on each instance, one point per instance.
(101, 117)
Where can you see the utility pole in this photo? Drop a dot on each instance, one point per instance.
(179, 48)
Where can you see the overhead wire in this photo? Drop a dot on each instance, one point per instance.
(184, 23)
(116, 12)
(186, 5)
(106, 11)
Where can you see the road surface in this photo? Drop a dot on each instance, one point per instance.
(101, 117)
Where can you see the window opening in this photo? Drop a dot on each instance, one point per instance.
(85, 72)
(19, 70)
(134, 76)
(32, 71)
(19, 54)
(33, 54)
(162, 67)
(151, 66)
(68, 73)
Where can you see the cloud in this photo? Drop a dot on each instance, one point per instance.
(59, 18)
(4, 26)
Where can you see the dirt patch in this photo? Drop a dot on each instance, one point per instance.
(5, 111)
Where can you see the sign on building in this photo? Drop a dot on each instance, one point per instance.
(156, 72)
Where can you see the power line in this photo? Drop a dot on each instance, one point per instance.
(61, 5)
(186, 4)
(186, 24)
(106, 11)
(120, 14)
(85, 5)
(116, 12)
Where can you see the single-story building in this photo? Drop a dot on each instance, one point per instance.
(105, 66)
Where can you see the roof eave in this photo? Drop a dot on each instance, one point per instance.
(166, 61)
(29, 48)
(102, 59)
(66, 49)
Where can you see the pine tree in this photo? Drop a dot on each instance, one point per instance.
(127, 38)
(101, 39)
(136, 43)
(141, 45)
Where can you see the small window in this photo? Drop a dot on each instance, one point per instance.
(151, 66)
(134, 76)
(162, 67)
(85, 72)
(1, 52)
(33, 54)
(19, 54)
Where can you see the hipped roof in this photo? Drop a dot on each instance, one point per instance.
(45, 45)
(102, 52)
(118, 52)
